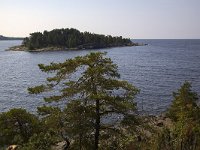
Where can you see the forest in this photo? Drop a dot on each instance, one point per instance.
(97, 111)
(73, 39)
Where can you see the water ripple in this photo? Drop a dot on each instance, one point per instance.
(157, 70)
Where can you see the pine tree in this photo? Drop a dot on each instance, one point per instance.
(185, 113)
(97, 101)
(17, 126)
(184, 104)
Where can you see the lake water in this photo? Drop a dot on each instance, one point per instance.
(157, 70)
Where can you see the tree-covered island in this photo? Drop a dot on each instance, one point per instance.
(64, 39)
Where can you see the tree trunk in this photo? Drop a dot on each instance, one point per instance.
(80, 141)
(97, 125)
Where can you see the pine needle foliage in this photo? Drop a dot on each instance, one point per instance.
(98, 102)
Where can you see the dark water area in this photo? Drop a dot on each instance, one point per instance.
(157, 70)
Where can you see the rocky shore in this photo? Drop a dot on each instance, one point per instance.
(23, 48)
(54, 48)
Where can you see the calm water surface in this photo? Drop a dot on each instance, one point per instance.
(157, 70)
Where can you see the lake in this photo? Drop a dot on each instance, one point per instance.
(157, 70)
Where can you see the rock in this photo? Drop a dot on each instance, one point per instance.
(60, 146)
(160, 124)
(12, 147)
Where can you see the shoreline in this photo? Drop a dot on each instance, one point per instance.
(56, 48)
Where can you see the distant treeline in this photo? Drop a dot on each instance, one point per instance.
(10, 38)
(72, 38)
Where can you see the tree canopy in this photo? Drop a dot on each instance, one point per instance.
(17, 126)
(184, 104)
(98, 103)
(185, 115)
(72, 38)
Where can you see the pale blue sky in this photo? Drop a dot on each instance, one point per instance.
(129, 18)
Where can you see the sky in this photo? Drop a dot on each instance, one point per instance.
(137, 19)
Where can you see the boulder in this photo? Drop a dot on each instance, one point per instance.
(12, 147)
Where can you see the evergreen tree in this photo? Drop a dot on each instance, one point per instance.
(17, 126)
(97, 101)
(185, 114)
(184, 104)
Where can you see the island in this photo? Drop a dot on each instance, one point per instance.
(10, 38)
(70, 39)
